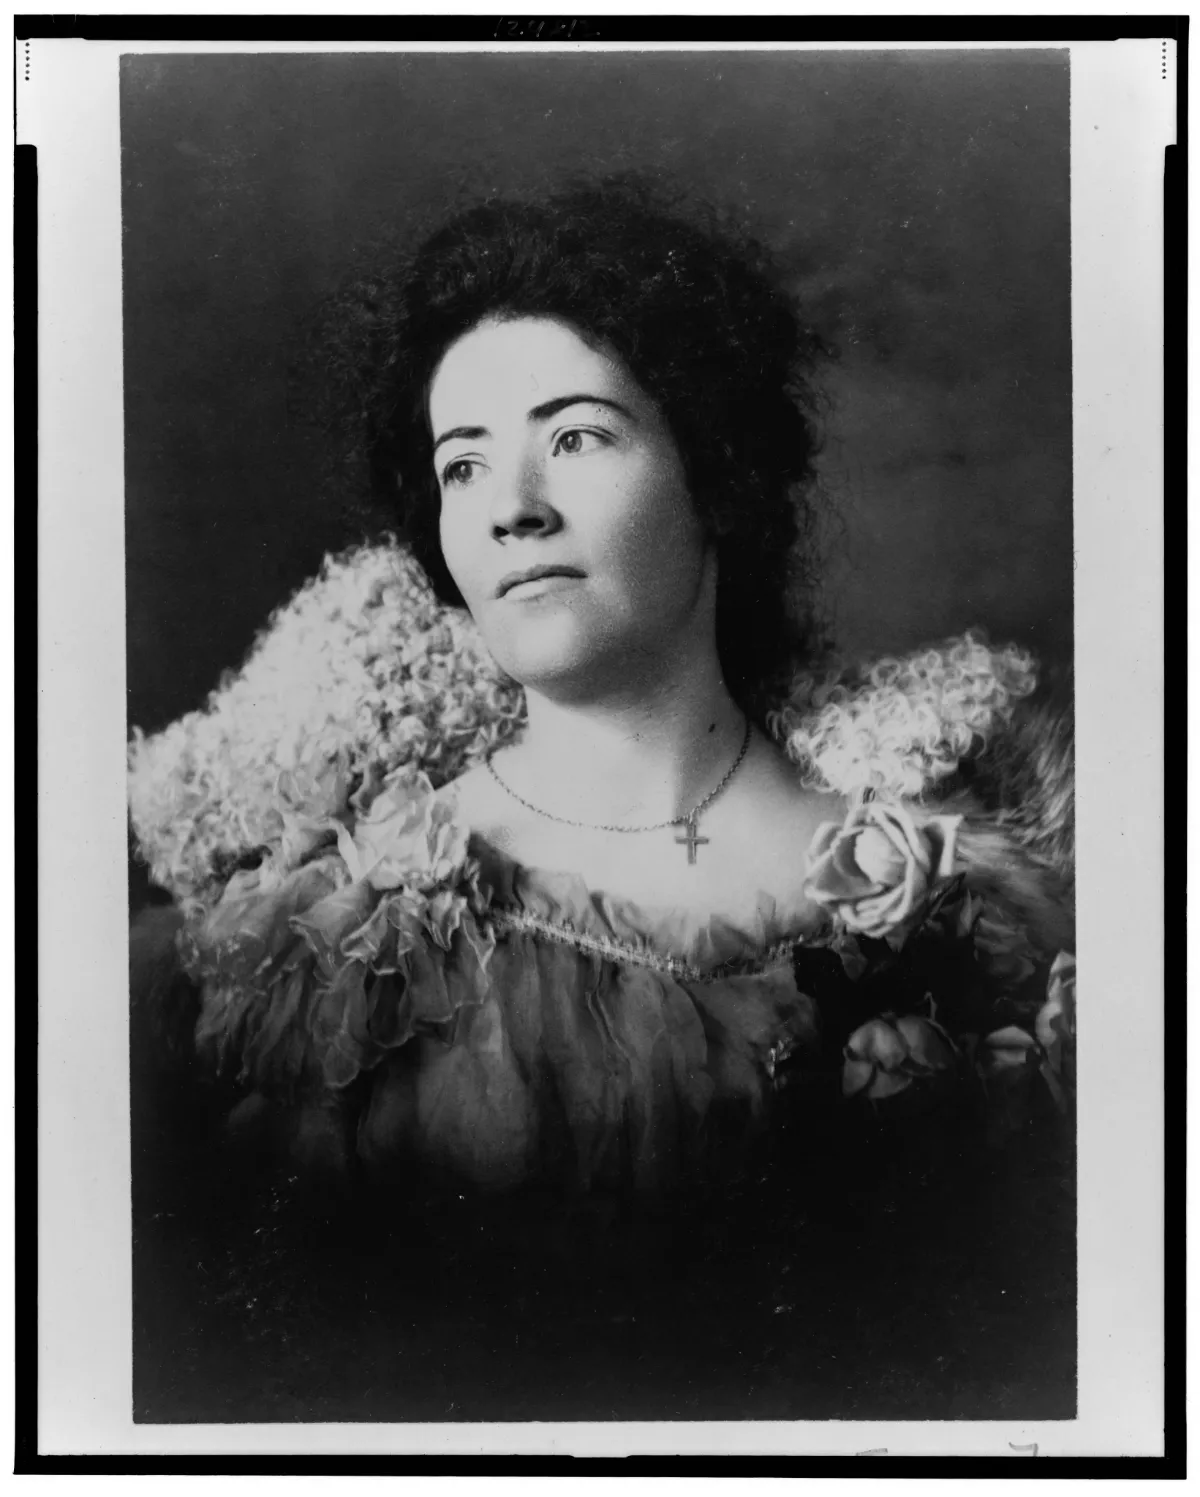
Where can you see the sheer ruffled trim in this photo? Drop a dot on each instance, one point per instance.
(311, 977)
(559, 907)
(311, 974)
(312, 980)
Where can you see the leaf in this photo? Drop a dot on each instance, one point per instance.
(854, 963)
(1054, 1087)
(888, 1084)
(968, 914)
(856, 1075)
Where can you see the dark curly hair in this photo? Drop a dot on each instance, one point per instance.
(700, 317)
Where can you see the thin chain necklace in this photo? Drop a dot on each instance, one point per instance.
(690, 839)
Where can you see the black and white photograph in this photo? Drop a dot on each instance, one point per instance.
(600, 640)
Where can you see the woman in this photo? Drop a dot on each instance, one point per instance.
(660, 863)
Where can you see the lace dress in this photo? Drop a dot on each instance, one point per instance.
(500, 1052)
(505, 1028)
(610, 1047)
(416, 998)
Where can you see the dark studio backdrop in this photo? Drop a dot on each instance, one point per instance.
(919, 201)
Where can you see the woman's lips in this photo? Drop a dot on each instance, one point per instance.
(536, 581)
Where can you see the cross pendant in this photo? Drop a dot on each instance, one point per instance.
(691, 839)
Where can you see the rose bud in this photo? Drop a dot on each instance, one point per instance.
(1055, 1023)
(886, 1055)
(1007, 1049)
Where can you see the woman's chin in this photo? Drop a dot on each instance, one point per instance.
(555, 663)
(553, 675)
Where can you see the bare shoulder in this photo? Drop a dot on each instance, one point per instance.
(779, 805)
(482, 805)
(768, 826)
(472, 794)
(754, 839)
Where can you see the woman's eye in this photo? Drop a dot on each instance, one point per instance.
(459, 472)
(572, 442)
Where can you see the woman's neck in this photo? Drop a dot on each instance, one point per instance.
(635, 757)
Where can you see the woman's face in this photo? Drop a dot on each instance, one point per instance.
(565, 519)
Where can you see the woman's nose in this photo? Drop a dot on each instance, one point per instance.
(520, 506)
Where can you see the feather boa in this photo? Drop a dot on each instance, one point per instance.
(363, 671)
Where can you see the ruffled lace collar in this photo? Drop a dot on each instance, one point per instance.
(364, 672)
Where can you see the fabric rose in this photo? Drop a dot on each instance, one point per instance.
(1006, 1061)
(875, 871)
(1006, 1050)
(886, 1055)
(407, 837)
(1055, 1023)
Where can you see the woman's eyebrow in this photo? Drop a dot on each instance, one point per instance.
(538, 413)
(552, 407)
(469, 432)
